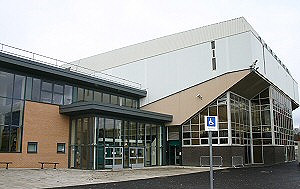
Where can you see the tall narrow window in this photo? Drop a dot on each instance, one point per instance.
(213, 45)
(36, 89)
(114, 99)
(97, 96)
(129, 102)
(28, 88)
(80, 94)
(88, 95)
(214, 63)
(6, 87)
(68, 94)
(46, 93)
(19, 87)
(58, 92)
(105, 98)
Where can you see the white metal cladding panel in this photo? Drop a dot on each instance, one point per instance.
(165, 44)
(272, 70)
(257, 53)
(172, 72)
(296, 92)
(279, 77)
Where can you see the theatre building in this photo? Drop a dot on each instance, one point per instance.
(144, 105)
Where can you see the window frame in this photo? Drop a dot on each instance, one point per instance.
(61, 152)
(32, 143)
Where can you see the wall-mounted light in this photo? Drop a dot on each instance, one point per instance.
(199, 96)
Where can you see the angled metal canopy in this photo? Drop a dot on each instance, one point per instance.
(80, 108)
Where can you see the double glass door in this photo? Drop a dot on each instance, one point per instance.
(136, 157)
(114, 157)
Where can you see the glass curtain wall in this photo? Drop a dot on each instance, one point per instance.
(283, 122)
(267, 109)
(240, 120)
(12, 91)
(90, 136)
(240, 124)
(193, 131)
(47, 91)
(82, 144)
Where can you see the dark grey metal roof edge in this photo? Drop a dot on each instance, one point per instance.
(17, 61)
(85, 106)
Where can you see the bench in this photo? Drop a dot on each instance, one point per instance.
(7, 163)
(53, 163)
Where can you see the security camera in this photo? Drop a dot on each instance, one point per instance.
(254, 64)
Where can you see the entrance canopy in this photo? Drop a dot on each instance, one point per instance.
(80, 108)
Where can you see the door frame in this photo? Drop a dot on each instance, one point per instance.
(136, 158)
(114, 158)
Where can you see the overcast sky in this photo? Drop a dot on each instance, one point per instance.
(74, 29)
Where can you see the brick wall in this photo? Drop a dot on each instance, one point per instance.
(42, 124)
(191, 155)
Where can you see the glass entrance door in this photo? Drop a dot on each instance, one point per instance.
(114, 157)
(136, 157)
(174, 153)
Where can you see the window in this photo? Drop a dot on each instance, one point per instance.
(68, 94)
(6, 87)
(88, 95)
(80, 94)
(97, 96)
(213, 45)
(17, 112)
(19, 87)
(58, 91)
(46, 93)
(121, 101)
(105, 98)
(32, 147)
(61, 148)
(134, 104)
(15, 139)
(114, 99)
(128, 102)
(4, 138)
(36, 88)
(5, 111)
(28, 88)
(214, 63)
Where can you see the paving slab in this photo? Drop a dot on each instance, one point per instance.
(48, 178)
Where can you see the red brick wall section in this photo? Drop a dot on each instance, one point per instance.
(42, 124)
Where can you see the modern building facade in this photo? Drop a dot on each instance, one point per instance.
(145, 104)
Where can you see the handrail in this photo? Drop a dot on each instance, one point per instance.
(15, 51)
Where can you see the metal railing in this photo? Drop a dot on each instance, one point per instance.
(217, 161)
(237, 161)
(7, 49)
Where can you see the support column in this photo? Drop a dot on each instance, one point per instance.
(229, 118)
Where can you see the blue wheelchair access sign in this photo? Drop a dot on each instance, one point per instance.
(211, 123)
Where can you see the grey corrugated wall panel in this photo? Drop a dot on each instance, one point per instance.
(166, 44)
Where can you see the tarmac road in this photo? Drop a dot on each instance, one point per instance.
(281, 176)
